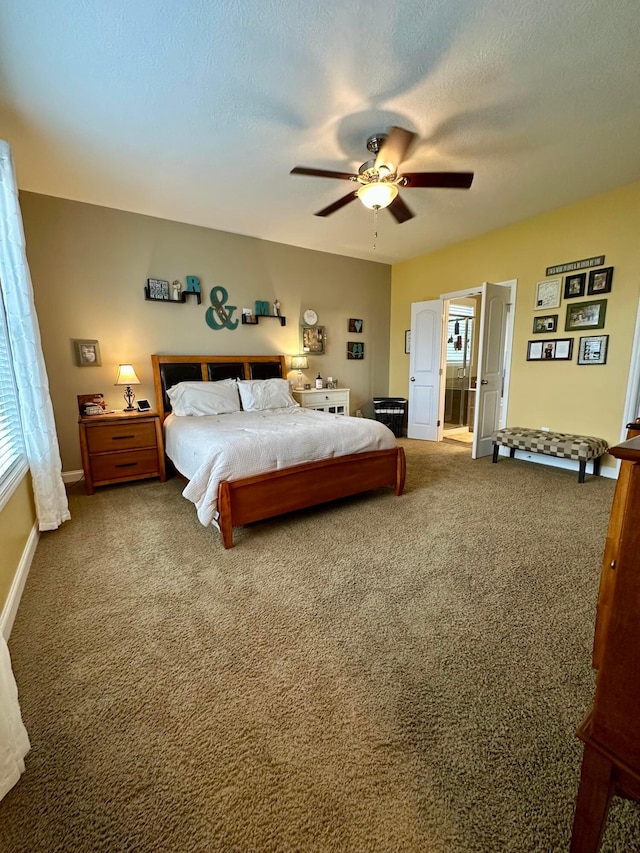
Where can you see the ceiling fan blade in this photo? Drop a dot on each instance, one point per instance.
(445, 180)
(322, 173)
(394, 148)
(399, 210)
(337, 204)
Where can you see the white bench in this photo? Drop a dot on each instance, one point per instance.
(561, 444)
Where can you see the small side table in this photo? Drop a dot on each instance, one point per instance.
(333, 400)
(120, 447)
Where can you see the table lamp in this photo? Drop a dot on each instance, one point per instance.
(127, 376)
(299, 363)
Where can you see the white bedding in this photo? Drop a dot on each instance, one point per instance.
(213, 448)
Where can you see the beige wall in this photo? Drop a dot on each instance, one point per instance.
(89, 266)
(561, 395)
(16, 522)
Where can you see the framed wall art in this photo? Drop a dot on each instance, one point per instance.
(600, 281)
(407, 341)
(593, 349)
(559, 349)
(355, 350)
(355, 325)
(547, 294)
(574, 285)
(545, 323)
(87, 353)
(313, 339)
(586, 315)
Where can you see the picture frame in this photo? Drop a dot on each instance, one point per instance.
(593, 349)
(313, 339)
(600, 281)
(585, 315)
(407, 341)
(355, 350)
(574, 285)
(355, 325)
(158, 288)
(91, 404)
(545, 323)
(87, 353)
(554, 349)
(547, 294)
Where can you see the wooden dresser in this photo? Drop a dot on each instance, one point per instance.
(120, 447)
(611, 729)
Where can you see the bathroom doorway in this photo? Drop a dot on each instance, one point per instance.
(460, 368)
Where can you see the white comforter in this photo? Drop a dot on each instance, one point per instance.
(212, 448)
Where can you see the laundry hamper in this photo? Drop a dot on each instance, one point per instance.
(390, 412)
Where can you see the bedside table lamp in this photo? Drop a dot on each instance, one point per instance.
(127, 376)
(299, 363)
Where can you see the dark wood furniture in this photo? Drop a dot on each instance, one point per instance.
(276, 492)
(611, 729)
(120, 447)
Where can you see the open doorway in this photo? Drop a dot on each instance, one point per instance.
(479, 375)
(460, 353)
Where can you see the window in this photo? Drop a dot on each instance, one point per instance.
(459, 334)
(13, 463)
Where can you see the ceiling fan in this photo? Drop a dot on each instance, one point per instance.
(379, 179)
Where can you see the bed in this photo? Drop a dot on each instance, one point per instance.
(244, 499)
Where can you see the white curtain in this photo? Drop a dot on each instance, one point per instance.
(39, 427)
(14, 742)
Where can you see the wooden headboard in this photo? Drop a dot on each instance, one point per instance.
(168, 370)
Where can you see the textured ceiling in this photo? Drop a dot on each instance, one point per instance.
(196, 111)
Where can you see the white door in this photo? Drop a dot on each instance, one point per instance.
(424, 371)
(493, 326)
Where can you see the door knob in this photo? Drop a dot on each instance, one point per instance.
(413, 378)
(484, 381)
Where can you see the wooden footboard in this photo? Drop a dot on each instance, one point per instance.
(277, 492)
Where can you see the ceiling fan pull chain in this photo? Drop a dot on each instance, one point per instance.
(375, 227)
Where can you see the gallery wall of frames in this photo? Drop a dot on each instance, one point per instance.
(572, 303)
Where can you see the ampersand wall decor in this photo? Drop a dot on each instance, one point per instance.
(219, 315)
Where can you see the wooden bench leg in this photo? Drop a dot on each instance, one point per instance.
(596, 466)
(582, 470)
(594, 795)
(512, 452)
(496, 448)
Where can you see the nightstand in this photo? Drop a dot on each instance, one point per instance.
(335, 401)
(119, 447)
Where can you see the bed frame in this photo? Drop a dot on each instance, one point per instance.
(276, 492)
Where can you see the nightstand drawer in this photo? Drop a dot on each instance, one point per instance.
(320, 398)
(121, 436)
(128, 465)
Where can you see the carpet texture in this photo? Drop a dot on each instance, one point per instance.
(384, 674)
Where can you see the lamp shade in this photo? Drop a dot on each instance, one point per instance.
(126, 375)
(377, 194)
(299, 362)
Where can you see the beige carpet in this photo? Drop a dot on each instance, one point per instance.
(387, 674)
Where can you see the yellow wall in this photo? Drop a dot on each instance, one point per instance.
(89, 266)
(17, 518)
(562, 395)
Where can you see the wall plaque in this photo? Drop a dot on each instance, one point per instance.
(597, 261)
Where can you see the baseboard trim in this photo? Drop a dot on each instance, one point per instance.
(72, 476)
(557, 462)
(20, 578)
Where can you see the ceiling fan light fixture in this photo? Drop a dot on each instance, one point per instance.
(377, 194)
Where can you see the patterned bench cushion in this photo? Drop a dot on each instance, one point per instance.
(564, 445)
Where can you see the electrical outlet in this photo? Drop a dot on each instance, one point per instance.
(544, 429)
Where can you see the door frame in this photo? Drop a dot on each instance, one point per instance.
(476, 291)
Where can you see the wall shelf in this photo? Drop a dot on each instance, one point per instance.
(181, 301)
(254, 319)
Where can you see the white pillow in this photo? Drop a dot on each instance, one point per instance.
(204, 398)
(260, 394)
